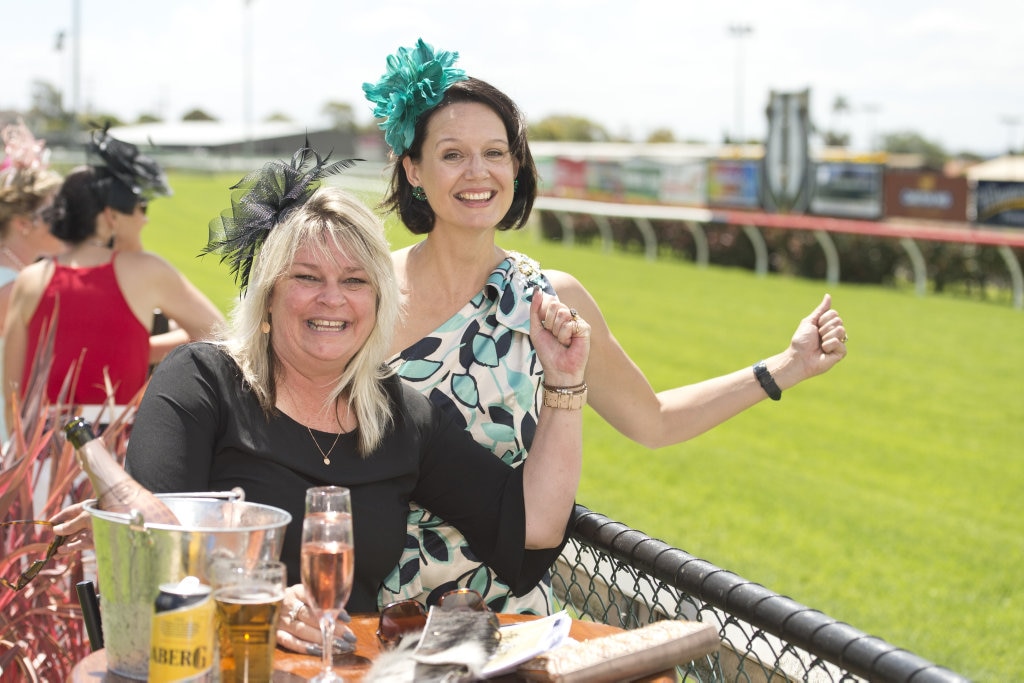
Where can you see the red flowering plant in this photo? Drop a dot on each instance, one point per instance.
(42, 633)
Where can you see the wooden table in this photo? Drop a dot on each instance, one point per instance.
(290, 667)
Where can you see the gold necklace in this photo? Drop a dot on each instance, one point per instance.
(326, 456)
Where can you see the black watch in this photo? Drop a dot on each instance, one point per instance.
(767, 382)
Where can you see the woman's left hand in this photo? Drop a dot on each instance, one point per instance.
(561, 338)
(820, 339)
(298, 629)
(75, 523)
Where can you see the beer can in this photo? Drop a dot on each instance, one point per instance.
(182, 635)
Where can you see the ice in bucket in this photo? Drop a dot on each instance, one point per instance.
(133, 558)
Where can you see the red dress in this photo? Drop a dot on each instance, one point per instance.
(95, 323)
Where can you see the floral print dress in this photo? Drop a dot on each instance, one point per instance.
(482, 366)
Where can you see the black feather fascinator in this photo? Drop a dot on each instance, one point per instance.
(261, 200)
(125, 177)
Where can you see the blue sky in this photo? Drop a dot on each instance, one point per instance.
(952, 71)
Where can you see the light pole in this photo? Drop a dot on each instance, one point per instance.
(247, 76)
(870, 110)
(76, 53)
(739, 32)
(1011, 123)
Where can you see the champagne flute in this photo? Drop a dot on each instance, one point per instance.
(328, 561)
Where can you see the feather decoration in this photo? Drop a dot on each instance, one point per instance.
(261, 200)
(23, 151)
(415, 82)
(139, 173)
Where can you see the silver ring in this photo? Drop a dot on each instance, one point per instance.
(573, 314)
(294, 611)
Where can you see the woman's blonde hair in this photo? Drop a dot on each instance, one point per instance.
(330, 218)
(23, 191)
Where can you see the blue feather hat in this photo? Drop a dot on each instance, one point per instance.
(415, 82)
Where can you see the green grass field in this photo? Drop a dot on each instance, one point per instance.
(886, 493)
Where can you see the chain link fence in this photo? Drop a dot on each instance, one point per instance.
(616, 575)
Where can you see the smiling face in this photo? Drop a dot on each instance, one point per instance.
(322, 310)
(466, 169)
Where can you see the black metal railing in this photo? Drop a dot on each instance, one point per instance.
(613, 574)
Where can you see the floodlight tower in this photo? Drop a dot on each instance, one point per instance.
(739, 32)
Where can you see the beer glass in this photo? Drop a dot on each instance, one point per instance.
(248, 598)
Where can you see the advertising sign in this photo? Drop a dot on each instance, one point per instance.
(641, 178)
(604, 180)
(1000, 203)
(733, 182)
(847, 190)
(925, 194)
(545, 174)
(570, 177)
(684, 182)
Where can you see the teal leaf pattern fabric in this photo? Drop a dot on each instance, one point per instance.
(480, 366)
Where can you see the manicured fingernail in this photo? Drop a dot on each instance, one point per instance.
(342, 645)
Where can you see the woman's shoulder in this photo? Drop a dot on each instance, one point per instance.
(407, 400)
(563, 281)
(202, 354)
(529, 269)
(142, 260)
(33, 278)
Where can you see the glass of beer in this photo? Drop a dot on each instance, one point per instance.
(248, 598)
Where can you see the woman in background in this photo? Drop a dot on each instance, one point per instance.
(101, 300)
(463, 171)
(27, 189)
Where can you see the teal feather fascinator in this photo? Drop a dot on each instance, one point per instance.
(415, 82)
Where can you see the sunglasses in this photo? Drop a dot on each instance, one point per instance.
(398, 619)
(45, 214)
(37, 565)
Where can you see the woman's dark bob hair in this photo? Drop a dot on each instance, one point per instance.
(417, 215)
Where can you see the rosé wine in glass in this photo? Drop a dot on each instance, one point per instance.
(327, 566)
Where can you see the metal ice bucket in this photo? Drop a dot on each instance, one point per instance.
(133, 558)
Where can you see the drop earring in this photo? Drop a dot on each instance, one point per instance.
(265, 327)
(515, 186)
(418, 194)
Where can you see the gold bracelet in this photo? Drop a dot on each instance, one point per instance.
(565, 398)
(565, 390)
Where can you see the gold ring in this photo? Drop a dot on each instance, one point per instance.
(844, 339)
(575, 327)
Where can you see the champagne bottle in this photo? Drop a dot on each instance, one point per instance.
(115, 489)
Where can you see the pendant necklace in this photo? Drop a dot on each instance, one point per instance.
(327, 455)
(12, 257)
